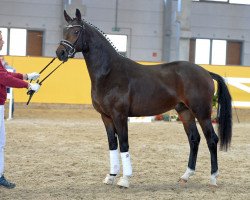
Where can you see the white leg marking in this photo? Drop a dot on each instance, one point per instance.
(189, 172)
(213, 178)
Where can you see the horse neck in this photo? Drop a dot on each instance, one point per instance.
(99, 57)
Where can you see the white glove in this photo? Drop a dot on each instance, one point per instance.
(34, 86)
(33, 76)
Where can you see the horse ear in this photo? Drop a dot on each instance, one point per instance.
(67, 17)
(78, 14)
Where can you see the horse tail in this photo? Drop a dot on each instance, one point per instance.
(224, 112)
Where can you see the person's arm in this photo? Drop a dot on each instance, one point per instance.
(30, 76)
(18, 75)
(8, 80)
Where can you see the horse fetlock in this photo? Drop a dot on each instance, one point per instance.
(123, 182)
(109, 180)
(213, 178)
(189, 172)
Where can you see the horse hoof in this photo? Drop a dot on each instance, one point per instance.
(109, 180)
(213, 186)
(182, 182)
(123, 182)
(213, 183)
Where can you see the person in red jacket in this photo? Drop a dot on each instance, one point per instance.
(15, 80)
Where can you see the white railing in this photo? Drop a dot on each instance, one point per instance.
(10, 97)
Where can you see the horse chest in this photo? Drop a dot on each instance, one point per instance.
(105, 100)
(98, 100)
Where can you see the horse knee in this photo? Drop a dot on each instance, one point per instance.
(194, 140)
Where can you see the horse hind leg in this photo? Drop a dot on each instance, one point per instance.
(203, 113)
(191, 130)
(212, 140)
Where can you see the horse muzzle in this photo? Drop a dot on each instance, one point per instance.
(65, 50)
(62, 54)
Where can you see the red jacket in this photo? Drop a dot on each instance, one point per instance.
(9, 79)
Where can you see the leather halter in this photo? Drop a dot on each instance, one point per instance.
(70, 48)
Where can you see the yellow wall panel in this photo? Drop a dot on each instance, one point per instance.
(238, 79)
(71, 83)
(229, 71)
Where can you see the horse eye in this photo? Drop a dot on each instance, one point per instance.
(76, 32)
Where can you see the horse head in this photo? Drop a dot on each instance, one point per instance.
(74, 37)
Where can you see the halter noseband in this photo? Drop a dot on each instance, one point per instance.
(70, 48)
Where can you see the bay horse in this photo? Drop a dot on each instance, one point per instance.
(122, 88)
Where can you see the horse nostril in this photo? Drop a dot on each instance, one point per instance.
(62, 53)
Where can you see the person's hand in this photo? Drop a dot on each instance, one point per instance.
(34, 86)
(33, 76)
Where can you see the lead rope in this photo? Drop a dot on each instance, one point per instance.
(32, 92)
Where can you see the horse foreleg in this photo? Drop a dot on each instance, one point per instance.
(113, 151)
(114, 167)
(127, 170)
(121, 126)
(190, 127)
